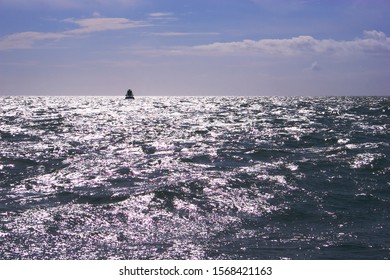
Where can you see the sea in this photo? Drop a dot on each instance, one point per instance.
(210, 178)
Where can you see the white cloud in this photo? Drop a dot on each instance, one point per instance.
(175, 34)
(25, 40)
(314, 66)
(96, 14)
(372, 42)
(160, 15)
(90, 25)
(373, 34)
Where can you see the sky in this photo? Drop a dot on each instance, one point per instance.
(195, 47)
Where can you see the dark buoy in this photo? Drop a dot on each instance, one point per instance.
(129, 94)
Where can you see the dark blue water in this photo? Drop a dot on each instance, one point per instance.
(194, 178)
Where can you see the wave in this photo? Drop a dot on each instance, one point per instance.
(194, 178)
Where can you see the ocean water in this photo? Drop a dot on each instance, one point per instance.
(195, 178)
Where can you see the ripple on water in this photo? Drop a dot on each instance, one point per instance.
(193, 178)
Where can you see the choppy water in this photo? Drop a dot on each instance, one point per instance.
(194, 178)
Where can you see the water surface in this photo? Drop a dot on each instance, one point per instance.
(194, 178)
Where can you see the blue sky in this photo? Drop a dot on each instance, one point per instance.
(202, 47)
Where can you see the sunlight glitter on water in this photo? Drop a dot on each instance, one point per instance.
(181, 177)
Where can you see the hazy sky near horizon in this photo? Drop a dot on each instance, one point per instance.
(195, 47)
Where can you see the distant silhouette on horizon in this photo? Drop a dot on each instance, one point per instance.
(129, 94)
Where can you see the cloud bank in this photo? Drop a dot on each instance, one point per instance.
(374, 42)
